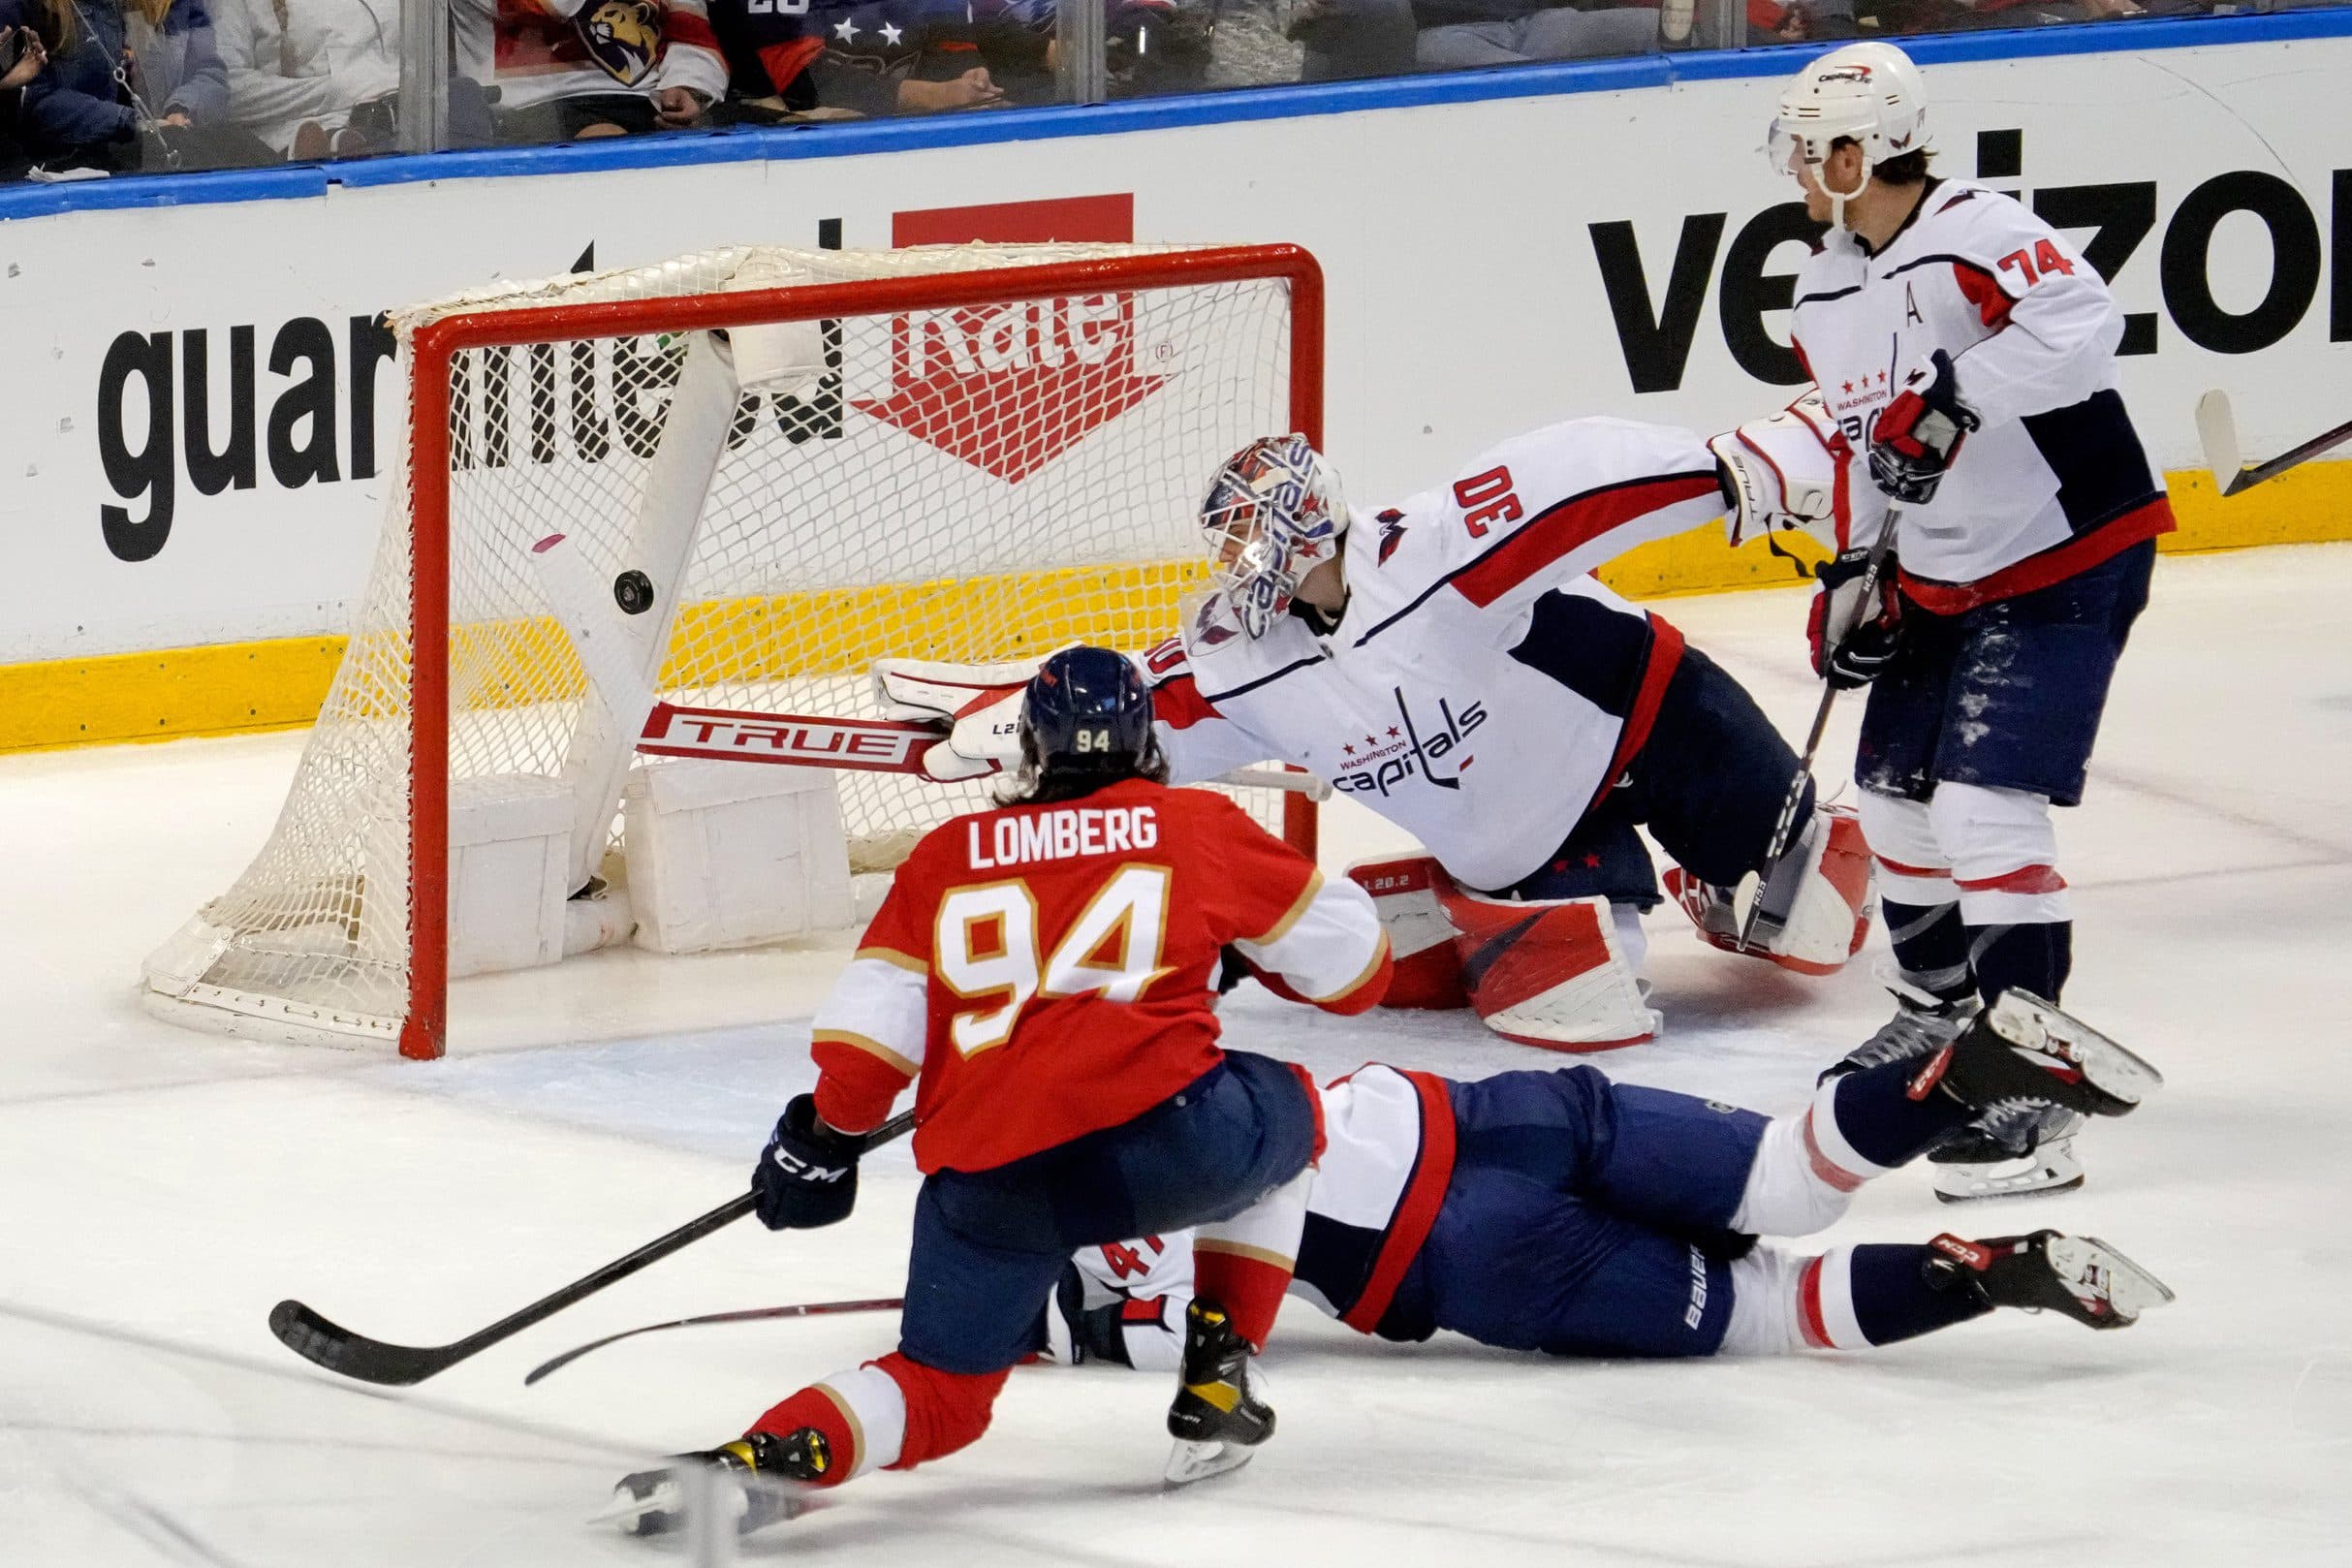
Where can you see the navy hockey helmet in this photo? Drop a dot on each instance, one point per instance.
(1087, 711)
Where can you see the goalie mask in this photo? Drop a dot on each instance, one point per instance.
(1273, 515)
(1868, 93)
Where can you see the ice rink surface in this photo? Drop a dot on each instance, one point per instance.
(159, 1190)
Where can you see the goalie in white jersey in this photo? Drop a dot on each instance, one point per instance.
(1449, 663)
(1966, 351)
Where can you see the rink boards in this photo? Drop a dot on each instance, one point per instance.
(204, 410)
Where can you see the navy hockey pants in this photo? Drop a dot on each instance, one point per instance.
(989, 1246)
(2007, 695)
(1584, 1218)
(1707, 784)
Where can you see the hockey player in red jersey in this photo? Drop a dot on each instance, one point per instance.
(1043, 973)
(1563, 1213)
(1450, 664)
(1962, 353)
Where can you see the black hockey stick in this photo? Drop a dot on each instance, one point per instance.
(1785, 828)
(2217, 430)
(756, 1314)
(372, 1361)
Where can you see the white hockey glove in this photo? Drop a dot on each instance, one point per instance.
(980, 702)
(1781, 472)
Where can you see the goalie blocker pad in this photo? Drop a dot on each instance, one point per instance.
(1811, 927)
(1548, 973)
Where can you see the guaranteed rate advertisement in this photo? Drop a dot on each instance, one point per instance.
(203, 405)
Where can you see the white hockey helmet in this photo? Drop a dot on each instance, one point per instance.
(1273, 514)
(1869, 93)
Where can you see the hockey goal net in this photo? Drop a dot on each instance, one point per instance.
(815, 458)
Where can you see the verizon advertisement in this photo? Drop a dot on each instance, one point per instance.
(200, 400)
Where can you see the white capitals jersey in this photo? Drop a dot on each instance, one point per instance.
(2056, 480)
(1479, 691)
(1151, 1280)
(1387, 1165)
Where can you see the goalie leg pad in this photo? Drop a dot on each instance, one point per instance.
(1407, 894)
(1817, 902)
(1550, 972)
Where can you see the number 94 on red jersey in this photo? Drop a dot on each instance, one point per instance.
(1048, 970)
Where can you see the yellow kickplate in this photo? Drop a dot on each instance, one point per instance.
(280, 683)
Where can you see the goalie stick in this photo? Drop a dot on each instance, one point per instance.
(2217, 432)
(324, 1343)
(756, 1314)
(664, 729)
(1784, 829)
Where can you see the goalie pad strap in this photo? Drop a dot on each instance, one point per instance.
(1404, 891)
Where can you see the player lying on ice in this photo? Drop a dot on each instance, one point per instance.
(1963, 355)
(1557, 1211)
(1044, 971)
(1450, 664)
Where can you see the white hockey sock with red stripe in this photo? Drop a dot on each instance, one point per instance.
(1806, 1171)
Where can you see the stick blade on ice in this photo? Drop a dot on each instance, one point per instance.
(324, 1343)
(2217, 432)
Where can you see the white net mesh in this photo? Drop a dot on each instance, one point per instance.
(975, 484)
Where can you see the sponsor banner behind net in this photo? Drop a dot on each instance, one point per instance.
(201, 399)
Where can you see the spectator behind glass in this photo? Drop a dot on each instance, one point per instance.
(320, 78)
(23, 57)
(1373, 38)
(579, 69)
(128, 90)
(869, 57)
(1150, 47)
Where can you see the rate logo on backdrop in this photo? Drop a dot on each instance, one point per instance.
(1008, 389)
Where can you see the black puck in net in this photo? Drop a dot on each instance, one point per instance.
(633, 592)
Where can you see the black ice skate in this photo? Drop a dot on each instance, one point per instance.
(2079, 1275)
(2024, 1050)
(752, 1482)
(1218, 1418)
(1922, 1024)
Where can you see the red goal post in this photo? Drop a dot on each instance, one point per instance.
(453, 351)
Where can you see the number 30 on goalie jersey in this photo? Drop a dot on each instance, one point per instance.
(1048, 970)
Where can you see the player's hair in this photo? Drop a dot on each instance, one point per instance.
(1903, 168)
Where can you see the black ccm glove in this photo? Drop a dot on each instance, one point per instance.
(808, 1175)
(1853, 640)
(1920, 432)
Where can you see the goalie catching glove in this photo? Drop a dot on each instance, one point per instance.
(979, 704)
